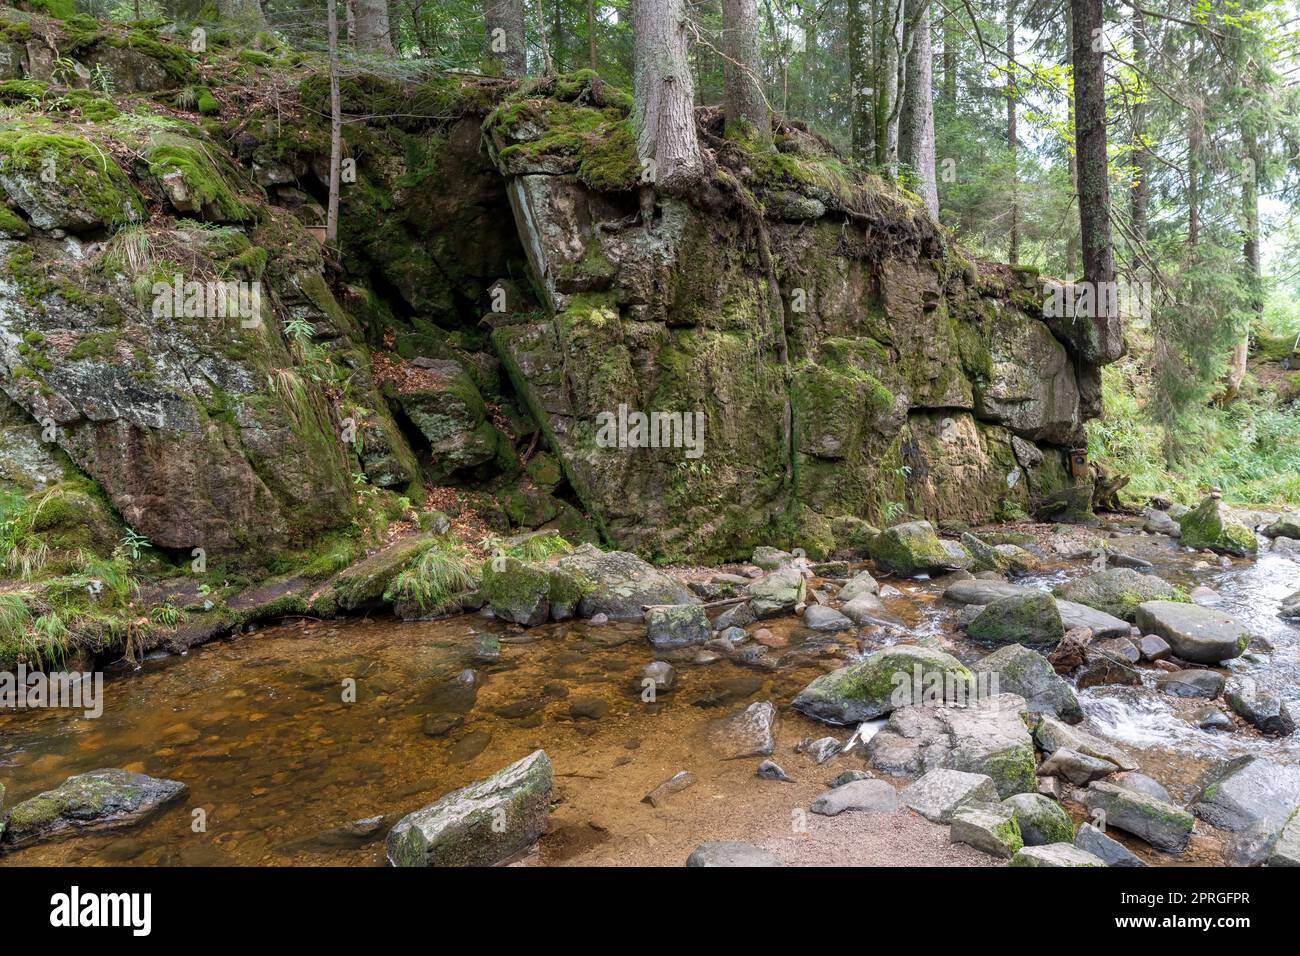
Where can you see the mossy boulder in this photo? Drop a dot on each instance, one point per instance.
(1030, 619)
(882, 682)
(516, 591)
(65, 181)
(621, 584)
(1119, 591)
(1287, 526)
(777, 592)
(991, 829)
(1212, 526)
(910, 548)
(90, 801)
(1041, 819)
(1022, 671)
(442, 401)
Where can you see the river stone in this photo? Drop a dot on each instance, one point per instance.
(1163, 825)
(1117, 591)
(1102, 625)
(748, 733)
(1197, 634)
(980, 591)
(823, 749)
(1111, 851)
(516, 591)
(1056, 855)
(867, 609)
(677, 626)
(1246, 791)
(778, 592)
(771, 770)
(769, 559)
(1141, 783)
(732, 854)
(909, 549)
(479, 825)
(1212, 526)
(661, 672)
(1192, 683)
(1160, 522)
(621, 584)
(1286, 851)
(989, 737)
(861, 583)
(739, 616)
(1027, 673)
(819, 618)
(1052, 735)
(991, 829)
(875, 796)
(940, 793)
(1041, 819)
(1079, 769)
(1291, 606)
(1265, 710)
(1024, 619)
(879, 683)
(96, 800)
(984, 557)
(1153, 648)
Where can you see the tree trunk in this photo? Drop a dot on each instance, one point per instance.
(336, 126)
(244, 13)
(1250, 255)
(503, 41)
(1013, 142)
(861, 118)
(548, 65)
(918, 106)
(372, 26)
(1094, 186)
(591, 34)
(1139, 194)
(887, 82)
(950, 57)
(664, 91)
(350, 18)
(1072, 240)
(742, 70)
(559, 37)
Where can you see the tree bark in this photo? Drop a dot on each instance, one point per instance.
(1139, 194)
(1250, 256)
(373, 35)
(1072, 240)
(950, 57)
(336, 126)
(918, 106)
(591, 34)
(1094, 185)
(664, 91)
(1013, 141)
(887, 82)
(503, 41)
(742, 70)
(861, 117)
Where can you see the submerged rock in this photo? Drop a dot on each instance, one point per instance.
(881, 682)
(749, 733)
(1198, 634)
(96, 800)
(732, 854)
(479, 825)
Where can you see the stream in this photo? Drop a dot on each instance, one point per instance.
(279, 761)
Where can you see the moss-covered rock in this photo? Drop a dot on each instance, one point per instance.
(1041, 819)
(517, 591)
(910, 548)
(1119, 591)
(1031, 619)
(94, 800)
(65, 181)
(1212, 526)
(882, 682)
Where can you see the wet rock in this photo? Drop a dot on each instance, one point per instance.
(1052, 735)
(766, 638)
(861, 583)
(822, 749)
(621, 584)
(1141, 783)
(1246, 791)
(479, 825)
(661, 673)
(470, 746)
(990, 829)
(982, 591)
(867, 609)
(678, 626)
(1028, 674)
(1211, 718)
(1112, 852)
(1102, 625)
(1117, 591)
(746, 734)
(1041, 820)
(910, 548)
(770, 770)
(1079, 769)
(1056, 855)
(988, 737)
(879, 683)
(440, 725)
(984, 557)
(1030, 619)
(731, 854)
(487, 648)
(90, 801)
(1291, 607)
(739, 616)
(1266, 711)
(1197, 634)
(940, 793)
(1192, 683)
(819, 618)
(874, 796)
(778, 592)
(1152, 647)
(674, 784)
(1287, 526)
(1212, 526)
(958, 556)
(1163, 825)
(599, 619)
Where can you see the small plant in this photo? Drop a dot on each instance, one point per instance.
(133, 543)
(299, 328)
(102, 80)
(167, 615)
(434, 580)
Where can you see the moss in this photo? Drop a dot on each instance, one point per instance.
(19, 91)
(256, 58)
(11, 226)
(207, 103)
(87, 177)
(207, 180)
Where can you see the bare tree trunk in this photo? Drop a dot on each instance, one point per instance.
(1094, 185)
(1013, 143)
(1139, 194)
(373, 35)
(548, 65)
(950, 34)
(664, 91)
(336, 126)
(861, 118)
(350, 18)
(742, 70)
(918, 106)
(1250, 255)
(503, 41)
(559, 37)
(591, 34)
(1072, 240)
(887, 82)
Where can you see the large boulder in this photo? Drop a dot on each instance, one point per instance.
(1247, 792)
(1041, 819)
(909, 549)
(516, 591)
(980, 591)
(622, 584)
(479, 825)
(96, 800)
(940, 793)
(1024, 619)
(441, 400)
(1118, 591)
(1198, 634)
(777, 592)
(988, 737)
(679, 625)
(873, 796)
(64, 181)
(1287, 526)
(1211, 525)
(1029, 674)
(883, 681)
(1163, 825)
(989, 828)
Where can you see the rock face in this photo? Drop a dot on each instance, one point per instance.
(1198, 634)
(883, 681)
(1117, 591)
(97, 800)
(479, 825)
(987, 738)
(731, 854)
(1211, 525)
(1163, 825)
(1028, 674)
